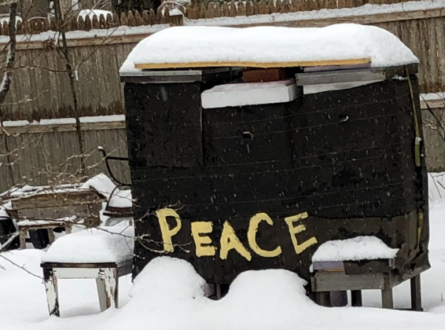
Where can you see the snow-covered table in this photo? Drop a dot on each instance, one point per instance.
(360, 263)
(103, 254)
(49, 225)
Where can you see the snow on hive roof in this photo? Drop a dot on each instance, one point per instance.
(107, 244)
(354, 249)
(193, 46)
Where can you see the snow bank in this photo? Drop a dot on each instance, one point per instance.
(121, 199)
(267, 299)
(101, 183)
(3, 213)
(436, 186)
(107, 244)
(277, 295)
(168, 279)
(192, 44)
(357, 248)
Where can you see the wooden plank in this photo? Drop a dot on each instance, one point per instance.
(58, 212)
(317, 78)
(387, 299)
(54, 128)
(336, 281)
(433, 104)
(387, 296)
(328, 265)
(47, 265)
(52, 293)
(264, 75)
(433, 55)
(416, 294)
(55, 200)
(440, 50)
(251, 64)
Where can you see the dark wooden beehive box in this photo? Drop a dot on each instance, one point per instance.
(345, 157)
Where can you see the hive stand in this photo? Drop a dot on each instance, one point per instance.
(355, 276)
(26, 225)
(106, 275)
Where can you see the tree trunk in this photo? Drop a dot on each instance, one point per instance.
(71, 75)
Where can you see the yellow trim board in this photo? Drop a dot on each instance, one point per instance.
(251, 64)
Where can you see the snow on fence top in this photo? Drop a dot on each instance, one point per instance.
(354, 249)
(189, 46)
(227, 13)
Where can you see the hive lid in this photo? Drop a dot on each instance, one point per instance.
(199, 46)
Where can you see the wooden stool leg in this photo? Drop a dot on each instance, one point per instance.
(387, 298)
(52, 292)
(101, 292)
(339, 298)
(68, 228)
(324, 298)
(22, 235)
(416, 294)
(51, 236)
(356, 298)
(107, 288)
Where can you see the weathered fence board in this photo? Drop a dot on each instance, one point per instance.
(50, 158)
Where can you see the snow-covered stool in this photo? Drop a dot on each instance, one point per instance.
(103, 254)
(361, 263)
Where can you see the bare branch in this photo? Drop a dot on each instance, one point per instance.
(21, 267)
(9, 241)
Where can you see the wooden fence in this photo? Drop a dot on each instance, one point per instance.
(40, 88)
(50, 154)
(196, 10)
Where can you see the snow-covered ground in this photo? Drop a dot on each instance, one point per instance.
(168, 295)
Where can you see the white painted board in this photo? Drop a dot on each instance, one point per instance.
(237, 95)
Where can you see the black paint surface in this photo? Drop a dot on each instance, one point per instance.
(345, 157)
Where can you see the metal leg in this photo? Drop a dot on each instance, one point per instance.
(52, 294)
(107, 288)
(387, 299)
(416, 294)
(22, 235)
(324, 298)
(356, 298)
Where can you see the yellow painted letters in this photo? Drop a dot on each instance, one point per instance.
(251, 236)
(167, 232)
(230, 241)
(299, 248)
(203, 249)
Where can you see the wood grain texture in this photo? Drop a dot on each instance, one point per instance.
(251, 64)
